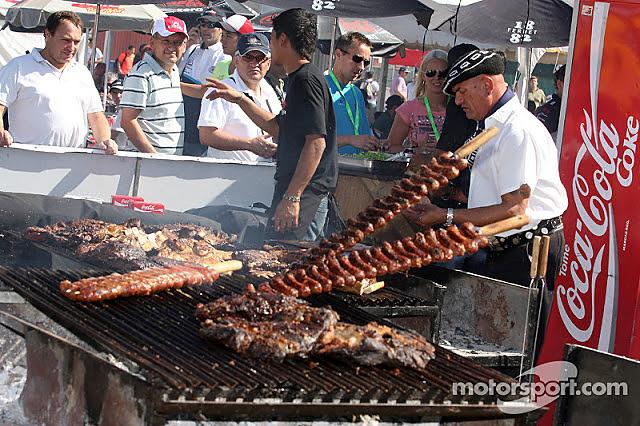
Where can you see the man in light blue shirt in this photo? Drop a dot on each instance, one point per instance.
(352, 56)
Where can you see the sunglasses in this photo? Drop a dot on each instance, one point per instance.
(432, 73)
(254, 58)
(208, 24)
(357, 59)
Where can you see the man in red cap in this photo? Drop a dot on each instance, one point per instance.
(232, 28)
(152, 110)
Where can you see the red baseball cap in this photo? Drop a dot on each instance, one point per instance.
(169, 25)
(238, 24)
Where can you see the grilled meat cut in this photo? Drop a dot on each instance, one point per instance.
(268, 262)
(132, 246)
(267, 326)
(137, 283)
(274, 326)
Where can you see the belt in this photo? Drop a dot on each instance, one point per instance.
(545, 227)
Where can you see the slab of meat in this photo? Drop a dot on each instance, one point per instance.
(115, 255)
(274, 326)
(137, 283)
(270, 261)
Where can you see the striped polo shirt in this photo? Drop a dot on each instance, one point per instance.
(148, 87)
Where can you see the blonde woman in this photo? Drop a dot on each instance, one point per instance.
(420, 120)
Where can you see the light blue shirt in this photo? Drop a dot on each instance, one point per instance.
(344, 126)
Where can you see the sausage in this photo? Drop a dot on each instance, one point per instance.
(312, 271)
(404, 203)
(314, 285)
(404, 262)
(430, 182)
(446, 241)
(364, 226)
(470, 245)
(356, 234)
(416, 261)
(469, 230)
(381, 267)
(278, 284)
(369, 271)
(378, 212)
(382, 204)
(391, 264)
(450, 159)
(449, 171)
(416, 188)
(376, 222)
(408, 195)
(425, 171)
(356, 272)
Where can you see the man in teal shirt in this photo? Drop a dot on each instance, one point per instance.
(352, 56)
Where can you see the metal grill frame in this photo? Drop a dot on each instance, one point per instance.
(232, 392)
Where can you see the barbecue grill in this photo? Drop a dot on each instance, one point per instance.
(187, 377)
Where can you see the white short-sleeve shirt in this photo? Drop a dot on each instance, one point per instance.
(48, 106)
(199, 63)
(230, 118)
(523, 152)
(149, 88)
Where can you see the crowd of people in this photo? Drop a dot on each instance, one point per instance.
(224, 95)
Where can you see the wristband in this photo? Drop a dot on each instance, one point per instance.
(449, 220)
(292, 198)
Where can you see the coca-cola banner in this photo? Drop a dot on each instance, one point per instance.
(597, 290)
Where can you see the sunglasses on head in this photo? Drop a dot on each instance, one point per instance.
(432, 73)
(357, 59)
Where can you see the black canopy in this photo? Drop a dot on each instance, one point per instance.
(350, 8)
(518, 23)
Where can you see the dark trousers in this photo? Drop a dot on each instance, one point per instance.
(192, 144)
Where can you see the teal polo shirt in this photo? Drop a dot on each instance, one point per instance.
(344, 126)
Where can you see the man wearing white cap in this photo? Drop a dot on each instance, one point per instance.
(152, 108)
(232, 28)
(224, 127)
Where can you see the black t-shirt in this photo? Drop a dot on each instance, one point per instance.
(549, 113)
(457, 128)
(308, 110)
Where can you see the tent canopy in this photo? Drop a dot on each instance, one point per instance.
(32, 15)
(412, 58)
(350, 8)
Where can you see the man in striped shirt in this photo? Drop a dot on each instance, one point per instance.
(152, 107)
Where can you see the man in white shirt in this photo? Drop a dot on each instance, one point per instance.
(522, 153)
(224, 127)
(50, 97)
(197, 64)
(399, 84)
(151, 109)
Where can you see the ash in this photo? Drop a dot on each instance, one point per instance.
(461, 342)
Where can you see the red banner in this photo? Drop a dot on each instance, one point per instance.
(597, 290)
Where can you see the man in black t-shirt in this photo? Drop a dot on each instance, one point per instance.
(307, 169)
(549, 113)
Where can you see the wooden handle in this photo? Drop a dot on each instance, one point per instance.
(228, 266)
(544, 256)
(504, 225)
(477, 142)
(535, 255)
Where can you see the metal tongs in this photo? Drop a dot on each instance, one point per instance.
(537, 273)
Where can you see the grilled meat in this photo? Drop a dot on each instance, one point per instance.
(266, 263)
(137, 283)
(131, 246)
(268, 326)
(274, 326)
(375, 344)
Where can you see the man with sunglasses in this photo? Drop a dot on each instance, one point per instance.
(196, 65)
(152, 110)
(352, 56)
(223, 126)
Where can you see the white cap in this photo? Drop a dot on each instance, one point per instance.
(237, 24)
(169, 25)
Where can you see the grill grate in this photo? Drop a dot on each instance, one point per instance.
(160, 333)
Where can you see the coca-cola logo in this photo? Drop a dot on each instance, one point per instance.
(605, 156)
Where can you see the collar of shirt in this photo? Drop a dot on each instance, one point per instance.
(506, 97)
(155, 66)
(37, 56)
(214, 46)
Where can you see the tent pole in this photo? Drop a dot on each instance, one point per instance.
(106, 52)
(94, 36)
(383, 83)
(333, 42)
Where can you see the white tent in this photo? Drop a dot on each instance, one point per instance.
(14, 44)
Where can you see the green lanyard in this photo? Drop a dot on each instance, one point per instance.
(355, 122)
(433, 122)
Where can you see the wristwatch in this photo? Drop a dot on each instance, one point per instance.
(292, 198)
(449, 220)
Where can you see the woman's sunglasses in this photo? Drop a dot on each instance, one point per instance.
(357, 59)
(432, 73)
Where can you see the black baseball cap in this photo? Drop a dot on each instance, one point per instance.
(253, 41)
